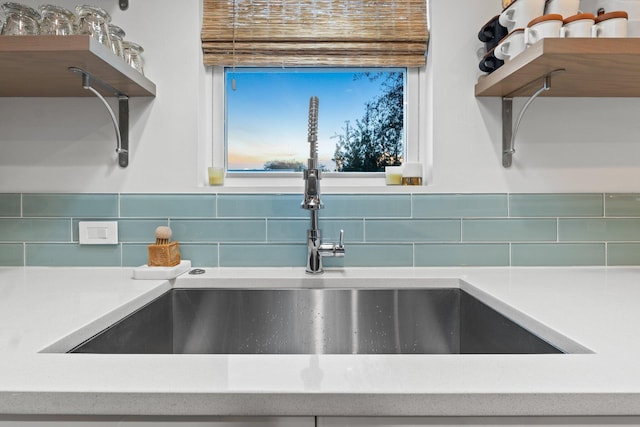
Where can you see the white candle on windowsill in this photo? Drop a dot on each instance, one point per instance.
(393, 175)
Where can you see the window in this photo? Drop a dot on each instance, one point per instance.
(383, 37)
(243, 159)
(361, 125)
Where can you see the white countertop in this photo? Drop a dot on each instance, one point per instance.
(50, 308)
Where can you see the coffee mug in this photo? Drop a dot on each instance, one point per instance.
(518, 13)
(491, 33)
(611, 24)
(511, 46)
(489, 63)
(542, 27)
(565, 8)
(578, 25)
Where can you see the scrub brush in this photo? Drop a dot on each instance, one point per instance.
(163, 235)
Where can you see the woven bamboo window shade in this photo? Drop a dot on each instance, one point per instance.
(368, 33)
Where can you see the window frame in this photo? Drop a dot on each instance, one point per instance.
(215, 154)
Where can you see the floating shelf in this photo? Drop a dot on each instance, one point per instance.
(607, 67)
(563, 67)
(39, 66)
(72, 66)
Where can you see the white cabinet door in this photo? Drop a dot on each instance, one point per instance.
(477, 421)
(60, 421)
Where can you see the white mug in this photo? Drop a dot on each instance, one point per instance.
(612, 24)
(542, 27)
(579, 25)
(510, 46)
(565, 8)
(520, 12)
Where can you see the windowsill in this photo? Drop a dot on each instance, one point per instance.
(295, 185)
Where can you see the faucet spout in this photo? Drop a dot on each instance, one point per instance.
(312, 135)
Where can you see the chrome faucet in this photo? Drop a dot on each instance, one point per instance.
(315, 248)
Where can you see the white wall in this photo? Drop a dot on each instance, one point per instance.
(67, 145)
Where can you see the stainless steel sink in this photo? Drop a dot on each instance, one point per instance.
(316, 321)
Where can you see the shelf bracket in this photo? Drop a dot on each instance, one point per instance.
(509, 131)
(120, 124)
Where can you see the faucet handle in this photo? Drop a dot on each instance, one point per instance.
(338, 250)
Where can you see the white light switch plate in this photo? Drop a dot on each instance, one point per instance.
(98, 232)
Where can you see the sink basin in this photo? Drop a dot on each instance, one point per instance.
(316, 321)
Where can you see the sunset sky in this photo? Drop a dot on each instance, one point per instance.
(267, 113)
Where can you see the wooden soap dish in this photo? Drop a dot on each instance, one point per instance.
(164, 253)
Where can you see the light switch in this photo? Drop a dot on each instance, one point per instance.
(98, 232)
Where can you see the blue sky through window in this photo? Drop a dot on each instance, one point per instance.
(266, 114)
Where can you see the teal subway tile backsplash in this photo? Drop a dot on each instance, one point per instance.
(70, 205)
(593, 229)
(623, 253)
(10, 205)
(11, 254)
(72, 255)
(509, 230)
(459, 205)
(219, 230)
(381, 230)
(287, 230)
(465, 254)
(260, 206)
(366, 206)
(168, 205)
(134, 255)
(562, 254)
(263, 255)
(35, 230)
(412, 230)
(556, 205)
(200, 254)
(622, 205)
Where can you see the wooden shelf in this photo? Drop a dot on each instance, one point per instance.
(72, 66)
(607, 67)
(38, 66)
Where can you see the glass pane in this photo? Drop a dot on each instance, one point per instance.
(360, 124)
